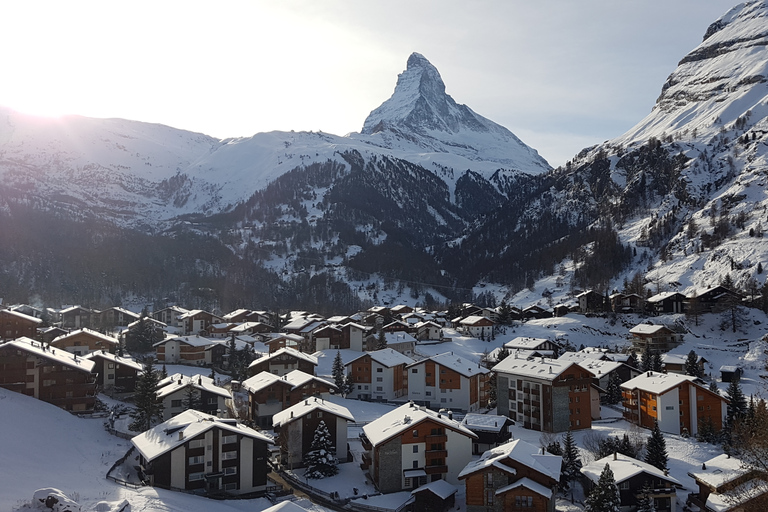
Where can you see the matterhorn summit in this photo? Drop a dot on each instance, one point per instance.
(420, 116)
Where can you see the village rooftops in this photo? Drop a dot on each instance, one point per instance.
(456, 363)
(386, 357)
(657, 383)
(580, 356)
(404, 418)
(127, 361)
(720, 471)
(624, 468)
(598, 367)
(648, 329)
(92, 333)
(662, 296)
(439, 488)
(240, 328)
(294, 379)
(192, 340)
(484, 422)
(183, 427)
(521, 451)
(177, 381)
(528, 484)
(678, 358)
(286, 350)
(22, 316)
(56, 355)
(398, 337)
(525, 343)
(148, 319)
(235, 314)
(309, 405)
(473, 319)
(545, 369)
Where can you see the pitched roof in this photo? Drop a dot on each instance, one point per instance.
(405, 418)
(545, 369)
(286, 350)
(520, 451)
(473, 319)
(720, 470)
(165, 436)
(648, 329)
(485, 422)
(177, 381)
(526, 343)
(662, 296)
(623, 468)
(456, 363)
(23, 316)
(89, 332)
(293, 379)
(127, 361)
(528, 484)
(655, 382)
(439, 488)
(386, 357)
(193, 340)
(57, 355)
(307, 406)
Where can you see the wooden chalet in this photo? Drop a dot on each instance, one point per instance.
(14, 324)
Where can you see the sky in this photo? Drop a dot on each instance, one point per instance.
(561, 74)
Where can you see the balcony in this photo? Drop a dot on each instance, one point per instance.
(441, 438)
(431, 470)
(366, 442)
(440, 454)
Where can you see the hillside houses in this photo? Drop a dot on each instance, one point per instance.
(176, 391)
(448, 381)
(657, 338)
(115, 373)
(83, 341)
(379, 375)
(284, 361)
(14, 324)
(269, 394)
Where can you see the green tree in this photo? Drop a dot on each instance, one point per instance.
(656, 449)
(571, 465)
(148, 408)
(645, 500)
(613, 389)
(338, 372)
(604, 496)
(692, 365)
(381, 342)
(632, 359)
(349, 385)
(321, 457)
(713, 387)
(192, 399)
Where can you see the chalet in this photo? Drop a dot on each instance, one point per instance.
(197, 321)
(77, 317)
(631, 477)
(591, 301)
(200, 453)
(535, 394)
(535, 311)
(269, 394)
(83, 341)
(477, 326)
(176, 390)
(353, 336)
(717, 299)
(400, 310)
(283, 362)
(26, 309)
(220, 330)
(626, 303)
(428, 331)
(48, 374)
(726, 483)
(399, 326)
(296, 425)
(659, 338)
(14, 324)
(437, 496)
(678, 402)
(675, 363)
(411, 445)
(491, 430)
(327, 337)
(398, 340)
(48, 334)
(283, 340)
(237, 316)
(116, 317)
(666, 303)
(217, 353)
(250, 328)
(448, 381)
(729, 373)
(542, 345)
(379, 375)
(128, 336)
(171, 316)
(183, 349)
(115, 373)
(515, 475)
(304, 327)
(262, 317)
(603, 371)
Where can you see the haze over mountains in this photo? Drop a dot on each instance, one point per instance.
(429, 197)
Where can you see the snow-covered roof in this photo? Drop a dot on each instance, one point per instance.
(75, 308)
(655, 382)
(57, 355)
(298, 323)
(546, 369)
(236, 313)
(356, 325)
(183, 427)
(285, 336)
(126, 361)
(398, 337)
(662, 296)
(177, 381)
(193, 340)
(307, 406)
(244, 326)
(89, 332)
(624, 468)
(473, 319)
(293, 379)
(525, 342)
(456, 363)
(678, 358)
(286, 350)
(285, 506)
(729, 368)
(577, 357)
(439, 488)
(526, 482)
(147, 319)
(720, 470)
(598, 367)
(647, 329)
(386, 357)
(406, 417)
(239, 344)
(22, 316)
(733, 498)
(521, 451)
(484, 422)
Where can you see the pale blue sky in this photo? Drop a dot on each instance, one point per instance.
(561, 74)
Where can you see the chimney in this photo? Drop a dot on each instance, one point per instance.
(615, 456)
(291, 414)
(450, 415)
(199, 380)
(703, 466)
(179, 382)
(181, 435)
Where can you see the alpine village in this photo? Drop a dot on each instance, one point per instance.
(423, 316)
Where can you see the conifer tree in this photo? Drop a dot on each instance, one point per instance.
(632, 359)
(613, 389)
(571, 461)
(645, 501)
(692, 365)
(713, 387)
(148, 408)
(605, 494)
(737, 408)
(338, 371)
(381, 340)
(646, 364)
(349, 385)
(191, 399)
(656, 364)
(320, 459)
(656, 449)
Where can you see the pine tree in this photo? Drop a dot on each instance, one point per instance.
(571, 461)
(692, 365)
(632, 360)
(645, 501)
(737, 408)
(605, 494)
(381, 340)
(338, 371)
(148, 408)
(163, 372)
(713, 387)
(349, 385)
(647, 362)
(656, 364)
(613, 389)
(320, 459)
(191, 399)
(656, 449)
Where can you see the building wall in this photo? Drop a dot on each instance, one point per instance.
(459, 447)
(388, 466)
(668, 411)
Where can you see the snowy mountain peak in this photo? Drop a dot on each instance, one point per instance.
(420, 116)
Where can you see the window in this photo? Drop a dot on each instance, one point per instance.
(379, 379)
(578, 423)
(379, 388)
(230, 470)
(229, 439)
(700, 398)
(111, 366)
(197, 443)
(577, 399)
(489, 479)
(407, 483)
(442, 400)
(110, 376)
(379, 370)
(415, 448)
(213, 401)
(489, 496)
(670, 407)
(230, 487)
(415, 433)
(228, 455)
(49, 382)
(654, 408)
(196, 476)
(414, 370)
(624, 485)
(175, 403)
(366, 387)
(415, 464)
(196, 460)
(319, 414)
(429, 393)
(69, 394)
